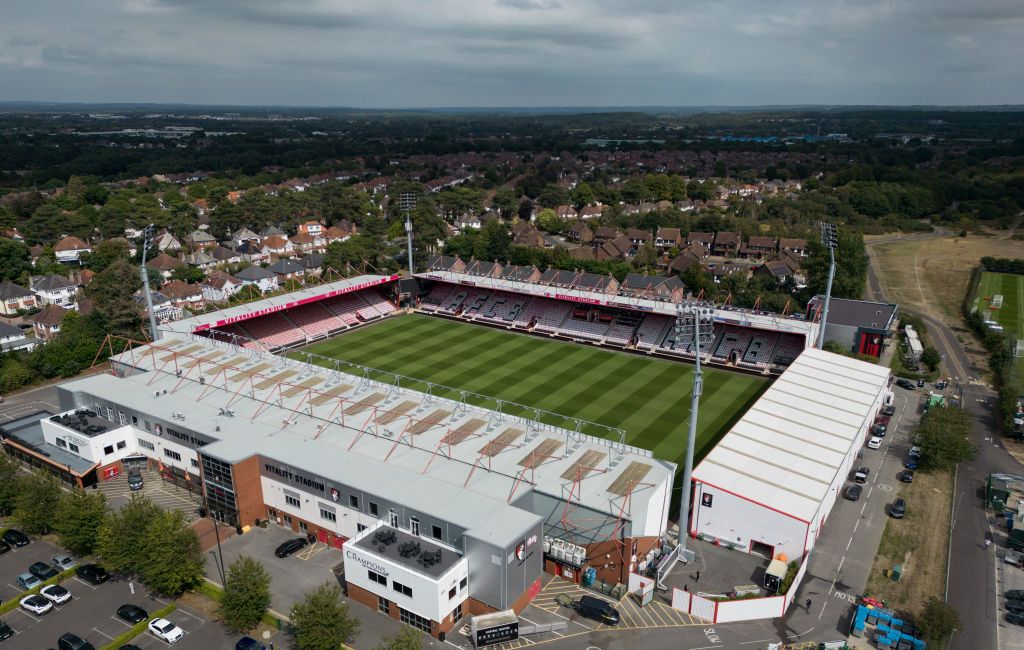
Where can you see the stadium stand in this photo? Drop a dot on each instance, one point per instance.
(346, 307)
(622, 329)
(315, 319)
(437, 295)
(734, 341)
(474, 301)
(380, 305)
(652, 331)
(585, 325)
(502, 308)
(546, 315)
(759, 352)
(244, 338)
(274, 331)
(788, 349)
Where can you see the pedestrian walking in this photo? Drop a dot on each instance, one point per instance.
(697, 579)
(988, 542)
(807, 605)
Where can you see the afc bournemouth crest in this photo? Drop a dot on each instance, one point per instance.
(335, 494)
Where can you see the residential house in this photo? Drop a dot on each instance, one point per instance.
(484, 269)
(590, 211)
(468, 221)
(272, 231)
(34, 253)
(13, 338)
(721, 270)
(13, 298)
(638, 237)
(12, 233)
(604, 233)
(184, 295)
(619, 248)
(201, 260)
(219, 286)
(667, 239)
(303, 243)
(582, 253)
(565, 212)
(516, 273)
(685, 260)
(705, 239)
(653, 287)
(69, 250)
(525, 234)
(85, 277)
(277, 246)
(263, 279)
(252, 252)
(287, 269)
(225, 255)
(314, 228)
(167, 243)
(164, 309)
(596, 283)
(165, 264)
(445, 263)
(55, 290)
(243, 235)
(341, 232)
(580, 233)
(46, 322)
(200, 240)
(727, 244)
(312, 264)
(558, 278)
(758, 248)
(798, 246)
(776, 269)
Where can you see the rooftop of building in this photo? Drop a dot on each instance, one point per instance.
(27, 432)
(409, 551)
(857, 313)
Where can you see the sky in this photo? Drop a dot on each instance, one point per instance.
(431, 53)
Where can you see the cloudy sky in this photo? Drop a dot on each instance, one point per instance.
(395, 53)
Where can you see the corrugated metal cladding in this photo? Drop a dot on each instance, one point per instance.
(734, 520)
(792, 450)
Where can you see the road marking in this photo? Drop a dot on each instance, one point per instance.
(857, 523)
(102, 633)
(849, 542)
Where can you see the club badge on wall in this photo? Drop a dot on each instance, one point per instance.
(706, 499)
(335, 494)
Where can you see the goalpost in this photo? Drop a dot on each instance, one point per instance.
(997, 301)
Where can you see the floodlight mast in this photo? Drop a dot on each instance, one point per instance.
(695, 322)
(830, 238)
(147, 239)
(407, 201)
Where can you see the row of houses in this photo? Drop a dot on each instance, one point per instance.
(722, 243)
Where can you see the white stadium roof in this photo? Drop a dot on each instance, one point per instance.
(785, 451)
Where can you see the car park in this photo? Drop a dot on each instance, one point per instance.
(132, 613)
(28, 581)
(5, 631)
(898, 509)
(92, 573)
(861, 475)
(42, 570)
(36, 604)
(905, 383)
(852, 492)
(56, 594)
(907, 476)
(15, 537)
(63, 562)
(940, 385)
(163, 629)
(291, 546)
(73, 642)
(875, 442)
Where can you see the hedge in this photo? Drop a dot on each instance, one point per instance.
(138, 628)
(13, 603)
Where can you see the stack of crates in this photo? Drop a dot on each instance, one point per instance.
(891, 632)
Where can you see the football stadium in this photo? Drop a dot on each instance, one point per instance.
(463, 432)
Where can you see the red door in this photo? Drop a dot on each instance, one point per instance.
(321, 536)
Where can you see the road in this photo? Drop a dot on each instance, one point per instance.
(971, 588)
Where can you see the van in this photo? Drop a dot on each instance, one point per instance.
(598, 610)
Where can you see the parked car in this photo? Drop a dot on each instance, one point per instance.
(597, 610)
(63, 562)
(861, 475)
(42, 570)
(907, 476)
(28, 581)
(852, 492)
(883, 419)
(940, 385)
(129, 646)
(92, 573)
(915, 451)
(15, 538)
(4, 547)
(875, 443)
(132, 613)
(879, 430)
(889, 410)
(905, 383)
(911, 462)
(920, 383)
(291, 546)
(1015, 606)
(135, 481)
(36, 604)
(56, 594)
(1016, 619)
(73, 642)
(5, 631)
(898, 509)
(1014, 594)
(163, 629)
(249, 643)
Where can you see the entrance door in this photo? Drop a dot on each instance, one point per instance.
(321, 536)
(764, 550)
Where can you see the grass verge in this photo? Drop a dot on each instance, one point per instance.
(138, 628)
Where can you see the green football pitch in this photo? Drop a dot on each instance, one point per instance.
(1011, 313)
(648, 398)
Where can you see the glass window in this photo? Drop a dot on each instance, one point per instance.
(435, 531)
(377, 577)
(109, 449)
(402, 589)
(327, 514)
(353, 501)
(146, 444)
(414, 525)
(292, 501)
(414, 620)
(172, 454)
(373, 508)
(121, 444)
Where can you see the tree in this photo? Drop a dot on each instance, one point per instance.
(931, 358)
(246, 594)
(944, 441)
(548, 221)
(646, 257)
(9, 471)
(409, 638)
(939, 621)
(493, 243)
(189, 274)
(14, 260)
(106, 253)
(35, 507)
(582, 195)
(321, 621)
(121, 538)
(80, 516)
(112, 292)
(173, 560)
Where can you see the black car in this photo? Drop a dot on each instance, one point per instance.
(15, 537)
(129, 646)
(92, 573)
(1015, 606)
(1016, 619)
(42, 570)
(911, 461)
(898, 509)
(135, 482)
(879, 430)
(905, 383)
(907, 476)
(289, 547)
(889, 410)
(5, 631)
(4, 547)
(132, 613)
(852, 492)
(249, 643)
(73, 642)
(597, 610)
(1014, 594)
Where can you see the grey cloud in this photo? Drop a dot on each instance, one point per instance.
(530, 5)
(21, 41)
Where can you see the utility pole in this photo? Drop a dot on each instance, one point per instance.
(830, 238)
(695, 320)
(147, 239)
(407, 201)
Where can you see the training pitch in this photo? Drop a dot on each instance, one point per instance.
(648, 398)
(1011, 314)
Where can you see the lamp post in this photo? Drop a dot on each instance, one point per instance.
(407, 201)
(147, 239)
(830, 238)
(694, 325)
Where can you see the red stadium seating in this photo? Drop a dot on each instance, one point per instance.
(315, 319)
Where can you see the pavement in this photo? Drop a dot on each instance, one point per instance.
(164, 494)
(18, 405)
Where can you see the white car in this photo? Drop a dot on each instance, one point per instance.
(161, 628)
(36, 604)
(63, 562)
(55, 594)
(875, 442)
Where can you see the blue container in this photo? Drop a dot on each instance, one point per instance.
(896, 623)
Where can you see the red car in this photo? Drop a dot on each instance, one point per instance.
(882, 419)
